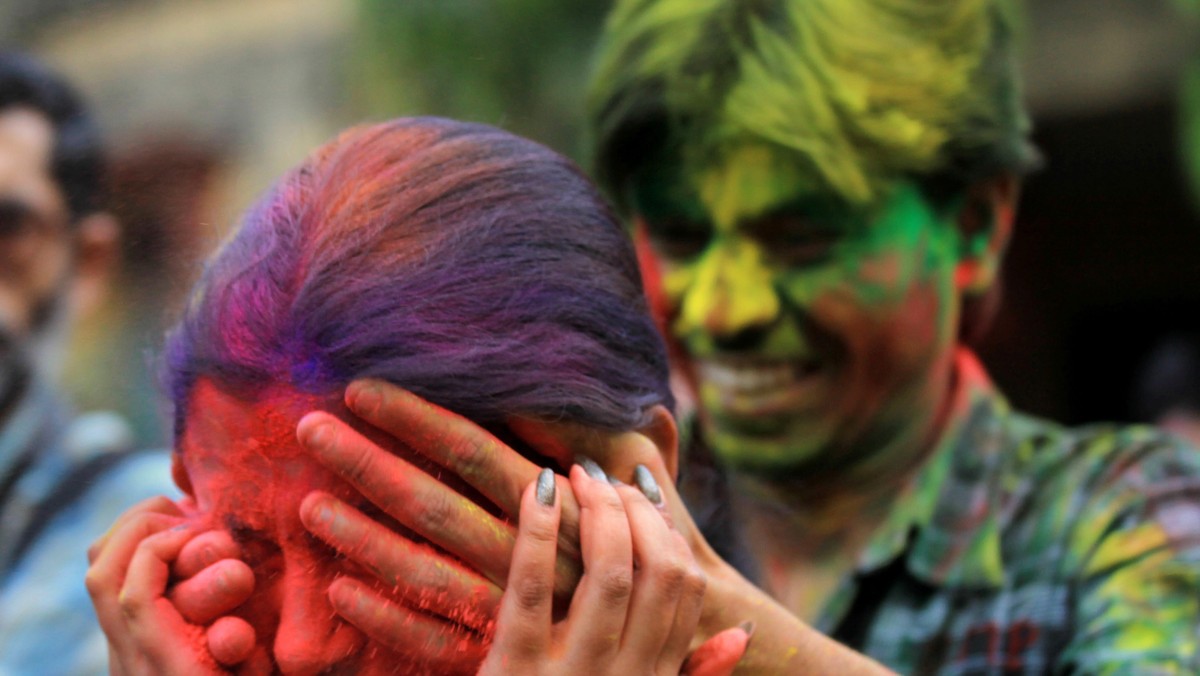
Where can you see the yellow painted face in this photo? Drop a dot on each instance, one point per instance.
(812, 329)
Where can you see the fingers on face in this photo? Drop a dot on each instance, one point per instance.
(448, 439)
(147, 615)
(523, 627)
(204, 550)
(668, 585)
(113, 557)
(155, 505)
(409, 495)
(416, 571)
(597, 615)
(443, 646)
(230, 640)
(214, 591)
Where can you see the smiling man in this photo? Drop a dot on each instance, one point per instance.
(822, 192)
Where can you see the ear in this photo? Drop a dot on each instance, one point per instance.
(662, 431)
(97, 237)
(985, 223)
(180, 476)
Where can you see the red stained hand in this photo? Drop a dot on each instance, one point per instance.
(151, 630)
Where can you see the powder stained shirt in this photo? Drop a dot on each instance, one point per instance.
(1024, 547)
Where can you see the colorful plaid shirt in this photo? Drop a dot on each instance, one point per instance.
(63, 481)
(1024, 547)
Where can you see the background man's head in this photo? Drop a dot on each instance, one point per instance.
(55, 242)
(821, 189)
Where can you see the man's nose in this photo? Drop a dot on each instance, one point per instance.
(732, 295)
(311, 638)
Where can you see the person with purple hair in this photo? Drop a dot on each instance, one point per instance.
(484, 274)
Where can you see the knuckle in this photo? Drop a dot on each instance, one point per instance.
(616, 586)
(94, 582)
(470, 454)
(531, 592)
(694, 582)
(128, 604)
(671, 575)
(437, 514)
(363, 466)
(540, 532)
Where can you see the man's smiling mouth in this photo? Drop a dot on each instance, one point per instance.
(759, 387)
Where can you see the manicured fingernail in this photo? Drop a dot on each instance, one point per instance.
(367, 398)
(546, 487)
(645, 481)
(748, 627)
(593, 470)
(615, 481)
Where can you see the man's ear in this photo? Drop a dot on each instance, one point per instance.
(662, 431)
(180, 476)
(985, 223)
(97, 237)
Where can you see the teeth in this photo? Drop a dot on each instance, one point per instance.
(756, 377)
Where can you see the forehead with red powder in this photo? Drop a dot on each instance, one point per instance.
(242, 457)
(248, 475)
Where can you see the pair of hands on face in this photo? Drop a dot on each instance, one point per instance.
(637, 604)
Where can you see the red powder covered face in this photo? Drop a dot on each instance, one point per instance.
(248, 475)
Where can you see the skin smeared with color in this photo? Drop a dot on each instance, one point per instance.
(249, 476)
(849, 311)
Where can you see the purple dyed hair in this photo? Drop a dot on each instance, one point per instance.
(477, 269)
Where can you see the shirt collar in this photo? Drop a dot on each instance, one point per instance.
(947, 520)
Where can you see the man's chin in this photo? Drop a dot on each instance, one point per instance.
(763, 450)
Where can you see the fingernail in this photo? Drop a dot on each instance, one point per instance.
(615, 481)
(367, 398)
(546, 487)
(593, 470)
(324, 514)
(748, 627)
(318, 436)
(645, 481)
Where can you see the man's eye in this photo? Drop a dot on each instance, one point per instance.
(678, 239)
(794, 243)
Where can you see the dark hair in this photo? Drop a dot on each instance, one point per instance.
(865, 91)
(77, 162)
(479, 270)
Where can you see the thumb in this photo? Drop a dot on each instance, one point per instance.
(719, 655)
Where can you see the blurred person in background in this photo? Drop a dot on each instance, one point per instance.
(1166, 389)
(822, 193)
(63, 479)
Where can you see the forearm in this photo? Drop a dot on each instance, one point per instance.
(781, 643)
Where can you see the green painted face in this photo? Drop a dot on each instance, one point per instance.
(815, 332)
